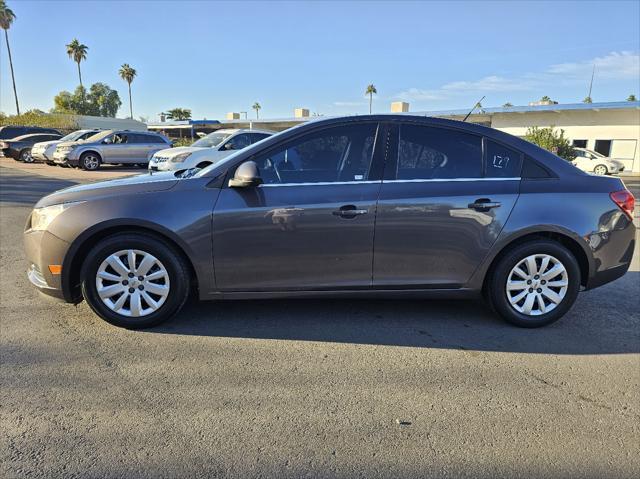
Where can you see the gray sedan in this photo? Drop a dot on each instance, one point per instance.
(369, 206)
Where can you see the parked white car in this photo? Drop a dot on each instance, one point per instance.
(207, 150)
(594, 162)
(44, 150)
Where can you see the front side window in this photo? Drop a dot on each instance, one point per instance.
(336, 154)
(238, 142)
(502, 162)
(426, 153)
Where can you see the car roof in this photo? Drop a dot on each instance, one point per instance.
(233, 131)
(30, 135)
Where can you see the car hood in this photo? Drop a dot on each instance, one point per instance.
(46, 144)
(171, 152)
(144, 183)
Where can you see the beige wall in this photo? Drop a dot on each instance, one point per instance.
(623, 125)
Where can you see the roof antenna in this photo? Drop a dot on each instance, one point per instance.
(474, 107)
(591, 84)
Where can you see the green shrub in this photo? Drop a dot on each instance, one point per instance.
(551, 140)
(39, 118)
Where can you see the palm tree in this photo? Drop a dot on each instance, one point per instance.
(587, 100)
(127, 73)
(256, 106)
(179, 114)
(371, 90)
(631, 97)
(6, 19)
(507, 105)
(78, 52)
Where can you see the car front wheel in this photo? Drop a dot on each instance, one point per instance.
(90, 161)
(600, 170)
(535, 284)
(135, 280)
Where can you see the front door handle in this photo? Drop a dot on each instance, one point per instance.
(349, 212)
(484, 204)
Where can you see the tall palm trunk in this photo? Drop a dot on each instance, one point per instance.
(79, 74)
(130, 104)
(13, 78)
(370, 101)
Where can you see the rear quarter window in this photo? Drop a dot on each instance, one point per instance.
(501, 161)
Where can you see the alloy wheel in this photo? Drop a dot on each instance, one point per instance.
(537, 284)
(26, 156)
(132, 283)
(600, 170)
(91, 162)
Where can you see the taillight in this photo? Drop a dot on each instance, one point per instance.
(625, 201)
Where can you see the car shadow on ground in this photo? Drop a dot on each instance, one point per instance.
(589, 328)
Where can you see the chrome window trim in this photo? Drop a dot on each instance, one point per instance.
(434, 180)
(321, 183)
(440, 180)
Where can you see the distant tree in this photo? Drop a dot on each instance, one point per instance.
(179, 114)
(551, 140)
(507, 105)
(631, 97)
(127, 73)
(77, 52)
(256, 106)
(6, 19)
(545, 98)
(100, 100)
(144, 119)
(587, 100)
(371, 90)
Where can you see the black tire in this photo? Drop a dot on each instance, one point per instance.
(175, 265)
(90, 161)
(25, 155)
(497, 282)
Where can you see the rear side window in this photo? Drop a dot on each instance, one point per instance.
(502, 162)
(154, 139)
(426, 153)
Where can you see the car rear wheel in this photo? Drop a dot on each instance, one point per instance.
(600, 170)
(534, 284)
(135, 280)
(90, 161)
(25, 155)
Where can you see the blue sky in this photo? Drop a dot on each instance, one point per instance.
(215, 57)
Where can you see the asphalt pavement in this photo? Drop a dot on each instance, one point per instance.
(312, 388)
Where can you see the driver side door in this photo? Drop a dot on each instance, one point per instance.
(310, 225)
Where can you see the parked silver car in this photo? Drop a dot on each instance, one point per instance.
(207, 150)
(44, 150)
(110, 146)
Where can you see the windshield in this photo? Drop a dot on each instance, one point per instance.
(211, 140)
(73, 136)
(98, 136)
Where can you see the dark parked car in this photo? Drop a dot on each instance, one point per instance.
(370, 206)
(19, 148)
(11, 131)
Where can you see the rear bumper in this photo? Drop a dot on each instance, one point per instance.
(612, 251)
(11, 153)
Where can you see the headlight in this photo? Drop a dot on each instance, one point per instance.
(180, 158)
(41, 218)
(65, 149)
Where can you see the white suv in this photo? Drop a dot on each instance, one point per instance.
(207, 150)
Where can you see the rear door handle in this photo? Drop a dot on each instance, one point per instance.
(484, 204)
(349, 211)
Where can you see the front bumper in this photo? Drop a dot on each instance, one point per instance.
(39, 154)
(160, 165)
(64, 160)
(43, 249)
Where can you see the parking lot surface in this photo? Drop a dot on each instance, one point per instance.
(322, 388)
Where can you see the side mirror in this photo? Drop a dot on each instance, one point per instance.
(247, 175)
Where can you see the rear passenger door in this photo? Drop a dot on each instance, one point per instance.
(445, 197)
(152, 143)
